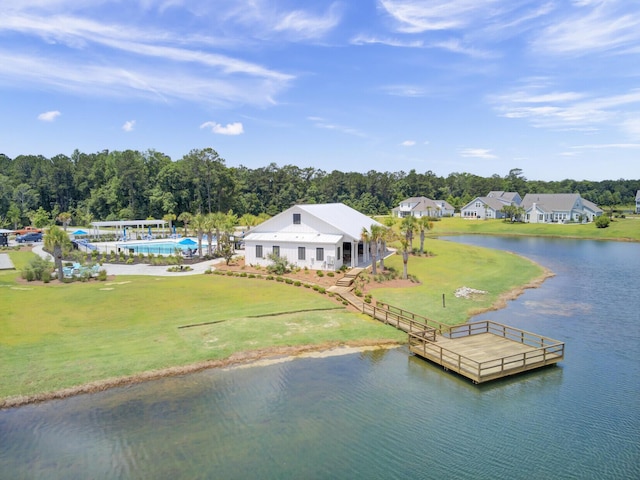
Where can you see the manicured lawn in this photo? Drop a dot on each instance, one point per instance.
(620, 229)
(56, 336)
(453, 266)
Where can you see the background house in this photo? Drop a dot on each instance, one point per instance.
(423, 207)
(319, 237)
(558, 208)
(638, 201)
(490, 206)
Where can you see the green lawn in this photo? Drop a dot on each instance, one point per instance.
(57, 336)
(453, 266)
(620, 229)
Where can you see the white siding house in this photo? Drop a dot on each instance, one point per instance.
(319, 237)
(490, 206)
(638, 201)
(423, 207)
(558, 208)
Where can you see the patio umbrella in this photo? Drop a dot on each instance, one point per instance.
(187, 241)
(79, 232)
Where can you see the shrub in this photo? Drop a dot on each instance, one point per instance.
(279, 266)
(320, 273)
(251, 275)
(279, 279)
(37, 269)
(297, 283)
(208, 271)
(288, 281)
(270, 277)
(602, 221)
(331, 274)
(357, 292)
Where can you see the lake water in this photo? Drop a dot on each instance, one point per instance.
(382, 414)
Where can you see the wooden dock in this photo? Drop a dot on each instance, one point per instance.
(480, 351)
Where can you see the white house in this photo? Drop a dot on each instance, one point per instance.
(319, 237)
(490, 206)
(558, 208)
(638, 201)
(423, 207)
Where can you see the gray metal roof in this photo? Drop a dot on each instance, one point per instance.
(551, 202)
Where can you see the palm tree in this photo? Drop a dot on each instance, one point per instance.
(54, 241)
(65, 219)
(367, 237)
(408, 227)
(218, 220)
(423, 224)
(405, 244)
(199, 223)
(209, 225)
(186, 218)
(169, 217)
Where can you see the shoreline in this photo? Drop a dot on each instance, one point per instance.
(253, 358)
(246, 359)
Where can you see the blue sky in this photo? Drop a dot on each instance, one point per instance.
(478, 86)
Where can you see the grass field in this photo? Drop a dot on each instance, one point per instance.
(454, 266)
(56, 336)
(625, 229)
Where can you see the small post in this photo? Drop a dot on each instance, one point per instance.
(443, 303)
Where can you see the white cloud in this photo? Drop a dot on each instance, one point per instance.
(568, 110)
(408, 143)
(305, 25)
(322, 123)
(235, 128)
(129, 125)
(49, 116)
(593, 26)
(477, 153)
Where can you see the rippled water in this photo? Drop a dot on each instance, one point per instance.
(382, 414)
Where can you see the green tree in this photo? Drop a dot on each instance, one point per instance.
(185, 218)
(423, 224)
(55, 241)
(65, 219)
(199, 224)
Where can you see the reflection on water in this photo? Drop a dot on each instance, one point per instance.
(378, 414)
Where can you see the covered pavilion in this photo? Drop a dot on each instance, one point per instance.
(140, 227)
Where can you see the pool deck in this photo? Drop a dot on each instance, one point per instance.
(198, 268)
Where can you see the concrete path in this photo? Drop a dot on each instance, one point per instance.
(5, 262)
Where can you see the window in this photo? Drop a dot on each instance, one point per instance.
(276, 250)
(296, 219)
(259, 251)
(320, 254)
(301, 253)
(338, 255)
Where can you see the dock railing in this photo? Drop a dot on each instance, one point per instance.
(422, 333)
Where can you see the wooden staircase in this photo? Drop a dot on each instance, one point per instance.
(349, 277)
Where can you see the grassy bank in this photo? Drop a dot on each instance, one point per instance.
(453, 266)
(57, 336)
(621, 229)
(60, 336)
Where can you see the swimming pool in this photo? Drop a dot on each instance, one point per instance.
(157, 248)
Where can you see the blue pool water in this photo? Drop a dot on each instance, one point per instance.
(157, 248)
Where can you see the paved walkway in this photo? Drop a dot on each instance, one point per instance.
(141, 268)
(5, 262)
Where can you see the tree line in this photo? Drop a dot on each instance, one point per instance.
(127, 185)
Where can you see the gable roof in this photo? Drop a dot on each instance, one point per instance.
(591, 206)
(490, 202)
(551, 202)
(342, 217)
(339, 216)
(507, 197)
(423, 204)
